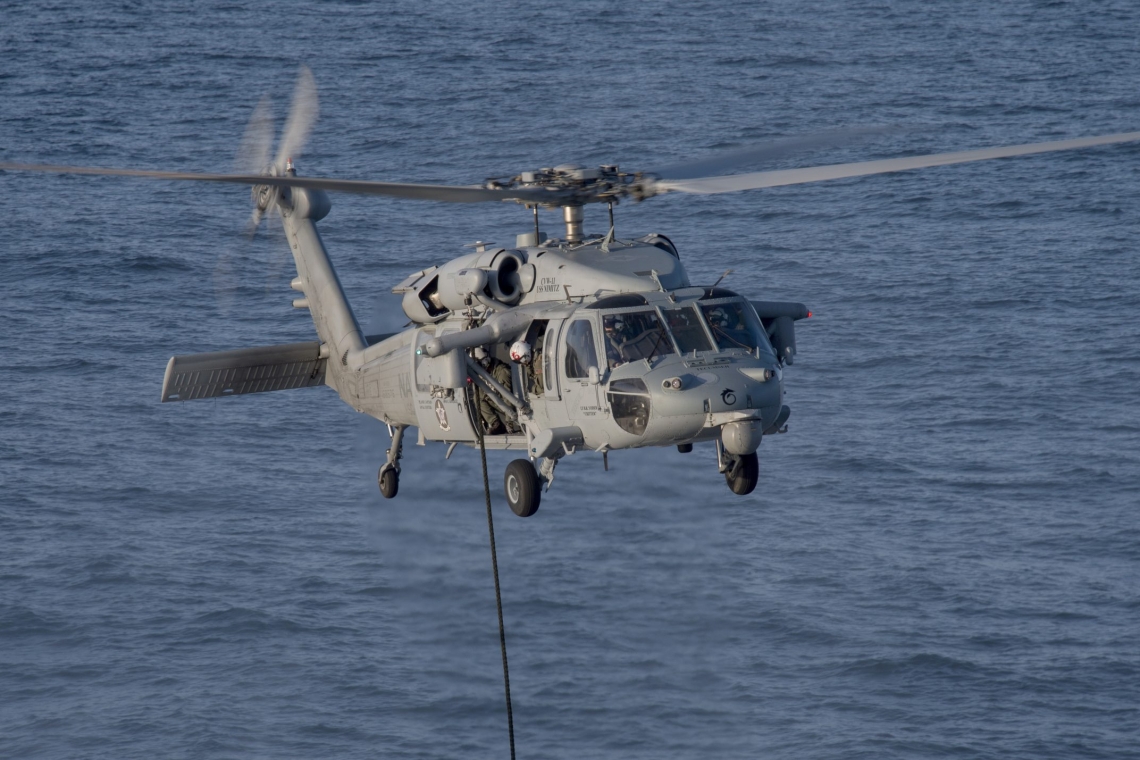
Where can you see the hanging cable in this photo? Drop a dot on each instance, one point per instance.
(495, 568)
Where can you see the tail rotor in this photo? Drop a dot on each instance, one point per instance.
(255, 157)
(257, 144)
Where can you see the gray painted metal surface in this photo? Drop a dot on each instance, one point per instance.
(246, 370)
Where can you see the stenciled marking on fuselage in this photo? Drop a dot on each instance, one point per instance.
(548, 285)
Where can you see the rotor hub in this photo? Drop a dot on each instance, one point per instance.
(571, 185)
(263, 196)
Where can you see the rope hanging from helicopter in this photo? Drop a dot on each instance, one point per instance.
(495, 570)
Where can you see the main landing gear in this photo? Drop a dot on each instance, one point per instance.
(389, 475)
(523, 487)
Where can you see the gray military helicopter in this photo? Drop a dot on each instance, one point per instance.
(549, 347)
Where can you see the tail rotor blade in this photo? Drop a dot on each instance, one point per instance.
(302, 116)
(253, 156)
(253, 223)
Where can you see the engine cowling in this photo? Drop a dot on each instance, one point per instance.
(500, 276)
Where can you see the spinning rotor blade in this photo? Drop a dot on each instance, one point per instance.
(447, 193)
(757, 180)
(302, 117)
(253, 156)
(738, 158)
(254, 223)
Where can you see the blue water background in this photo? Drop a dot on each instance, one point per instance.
(942, 558)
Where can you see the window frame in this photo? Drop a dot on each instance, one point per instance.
(749, 309)
(647, 309)
(695, 307)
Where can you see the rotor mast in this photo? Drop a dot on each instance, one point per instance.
(568, 187)
(572, 215)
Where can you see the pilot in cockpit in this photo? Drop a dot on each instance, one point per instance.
(614, 328)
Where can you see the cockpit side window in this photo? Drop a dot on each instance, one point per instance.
(635, 335)
(580, 353)
(735, 325)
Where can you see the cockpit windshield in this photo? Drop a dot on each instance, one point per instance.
(734, 325)
(687, 329)
(635, 335)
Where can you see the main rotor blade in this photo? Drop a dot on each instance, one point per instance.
(756, 180)
(302, 116)
(739, 158)
(253, 156)
(446, 193)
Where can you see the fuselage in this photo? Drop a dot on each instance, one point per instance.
(626, 352)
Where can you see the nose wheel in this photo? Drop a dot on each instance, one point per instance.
(743, 474)
(524, 490)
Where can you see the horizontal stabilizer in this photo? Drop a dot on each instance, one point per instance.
(246, 370)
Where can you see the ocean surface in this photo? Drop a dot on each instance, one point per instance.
(942, 559)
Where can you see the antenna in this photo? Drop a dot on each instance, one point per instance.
(609, 238)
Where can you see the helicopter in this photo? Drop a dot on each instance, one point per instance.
(550, 347)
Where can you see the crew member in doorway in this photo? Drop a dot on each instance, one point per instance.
(535, 367)
(493, 419)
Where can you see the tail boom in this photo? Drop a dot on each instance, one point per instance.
(316, 278)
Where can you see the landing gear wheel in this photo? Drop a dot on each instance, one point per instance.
(389, 481)
(524, 491)
(744, 474)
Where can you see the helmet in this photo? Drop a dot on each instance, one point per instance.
(480, 353)
(520, 351)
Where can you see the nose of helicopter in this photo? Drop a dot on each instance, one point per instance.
(688, 399)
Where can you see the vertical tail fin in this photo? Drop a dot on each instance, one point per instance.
(316, 278)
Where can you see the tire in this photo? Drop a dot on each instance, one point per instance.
(747, 475)
(389, 481)
(524, 491)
